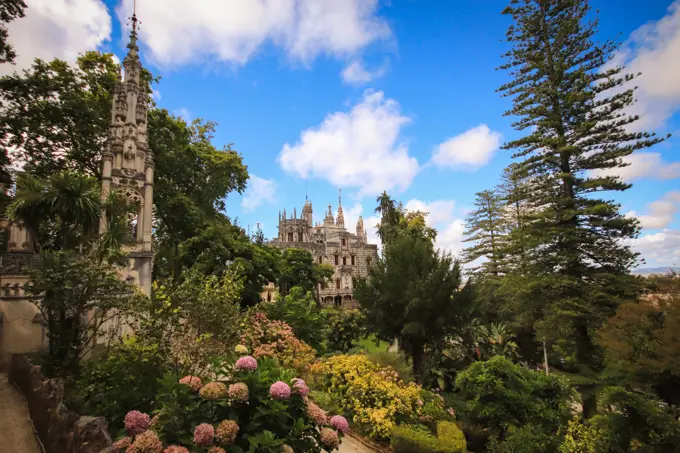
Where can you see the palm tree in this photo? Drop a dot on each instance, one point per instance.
(61, 211)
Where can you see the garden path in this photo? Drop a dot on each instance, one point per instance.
(351, 445)
(16, 431)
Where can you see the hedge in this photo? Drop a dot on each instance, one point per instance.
(450, 439)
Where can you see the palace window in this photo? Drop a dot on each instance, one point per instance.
(300, 237)
(344, 242)
(320, 259)
(337, 283)
(344, 261)
(290, 237)
(337, 261)
(368, 262)
(352, 260)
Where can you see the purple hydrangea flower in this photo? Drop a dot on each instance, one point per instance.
(279, 390)
(204, 434)
(340, 423)
(247, 363)
(300, 387)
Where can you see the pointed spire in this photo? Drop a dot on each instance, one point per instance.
(295, 213)
(340, 221)
(329, 216)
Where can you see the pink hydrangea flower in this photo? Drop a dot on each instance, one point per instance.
(136, 422)
(329, 439)
(193, 382)
(213, 391)
(340, 423)
(420, 402)
(122, 444)
(204, 434)
(247, 363)
(154, 420)
(146, 442)
(238, 392)
(226, 432)
(216, 450)
(175, 449)
(317, 414)
(299, 386)
(279, 390)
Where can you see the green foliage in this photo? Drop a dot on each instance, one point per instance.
(526, 439)
(413, 292)
(302, 313)
(393, 360)
(626, 421)
(486, 227)
(344, 330)
(503, 396)
(450, 439)
(81, 300)
(642, 348)
(9, 10)
(299, 269)
(125, 379)
(265, 423)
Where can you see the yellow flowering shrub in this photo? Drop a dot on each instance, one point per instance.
(374, 396)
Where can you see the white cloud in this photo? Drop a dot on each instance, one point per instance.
(659, 249)
(57, 29)
(180, 32)
(356, 73)
(359, 148)
(661, 212)
(156, 95)
(441, 216)
(183, 113)
(260, 191)
(654, 51)
(470, 150)
(643, 165)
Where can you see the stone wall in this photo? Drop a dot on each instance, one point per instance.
(60, 430)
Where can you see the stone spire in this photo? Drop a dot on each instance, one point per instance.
(361, 233)
(307, 212)
(128, 163)
(329, 216)
(340, 221)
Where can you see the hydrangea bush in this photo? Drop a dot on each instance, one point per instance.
(256, 407)
(275, 339)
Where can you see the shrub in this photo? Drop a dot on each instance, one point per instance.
(449, 439)
(275, 339)
(499, 394)
(374, 396)
(206, 419)
(300, 311)
(345, 330)
(393, 360)
(125, 379)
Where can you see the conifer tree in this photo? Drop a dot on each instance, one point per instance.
(486, 228)
(572, 101)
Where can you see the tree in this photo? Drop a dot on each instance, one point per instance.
(82, 301)
(412, 292)
(574, 102)
(298, 268)
(485, 226)
(642, 348)
(61, 211)
(9, 10)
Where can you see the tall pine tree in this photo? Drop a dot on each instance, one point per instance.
(486, 228)
(573, 103)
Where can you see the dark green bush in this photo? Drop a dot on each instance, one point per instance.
(449, 439)
(345, 330)
(123, 380)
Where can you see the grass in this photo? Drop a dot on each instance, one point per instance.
(369, 345)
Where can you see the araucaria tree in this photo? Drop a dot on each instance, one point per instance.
(572, 101)
(485, 226)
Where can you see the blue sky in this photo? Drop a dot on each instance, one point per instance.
(365, 95)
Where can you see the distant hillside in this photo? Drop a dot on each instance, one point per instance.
(655, 270)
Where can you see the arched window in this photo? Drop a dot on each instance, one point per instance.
(337, 260)
(344, 261)
(290, 237)
(300, 237)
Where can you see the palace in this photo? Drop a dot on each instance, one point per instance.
(329, 243)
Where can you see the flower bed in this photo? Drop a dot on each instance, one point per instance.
(260, 407)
